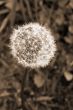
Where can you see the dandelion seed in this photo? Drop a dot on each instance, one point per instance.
(32, 45)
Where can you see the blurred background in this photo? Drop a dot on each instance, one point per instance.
(53, 89)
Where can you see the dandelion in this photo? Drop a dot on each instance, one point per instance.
(32, 45)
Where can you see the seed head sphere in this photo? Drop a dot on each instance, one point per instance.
(32, 45)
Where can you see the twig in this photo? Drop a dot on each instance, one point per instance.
(13, 12)
(4, 11)
(4, 23)
(22, 9)
(35, 7)
(28, 8)
(2, 2)
(4, 94)
(22, 88)
(43, 98)
(4, 63)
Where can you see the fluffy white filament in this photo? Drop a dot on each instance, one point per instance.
(32, 45)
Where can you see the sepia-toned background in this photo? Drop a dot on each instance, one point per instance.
(51, 88)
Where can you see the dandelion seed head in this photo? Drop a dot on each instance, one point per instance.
(32, 45)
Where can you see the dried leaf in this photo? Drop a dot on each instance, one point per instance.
(71, 3)
(39, 80)
(68, 76)
(71, 29)
(69, 39)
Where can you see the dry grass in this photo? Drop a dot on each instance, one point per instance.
(56, 92)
